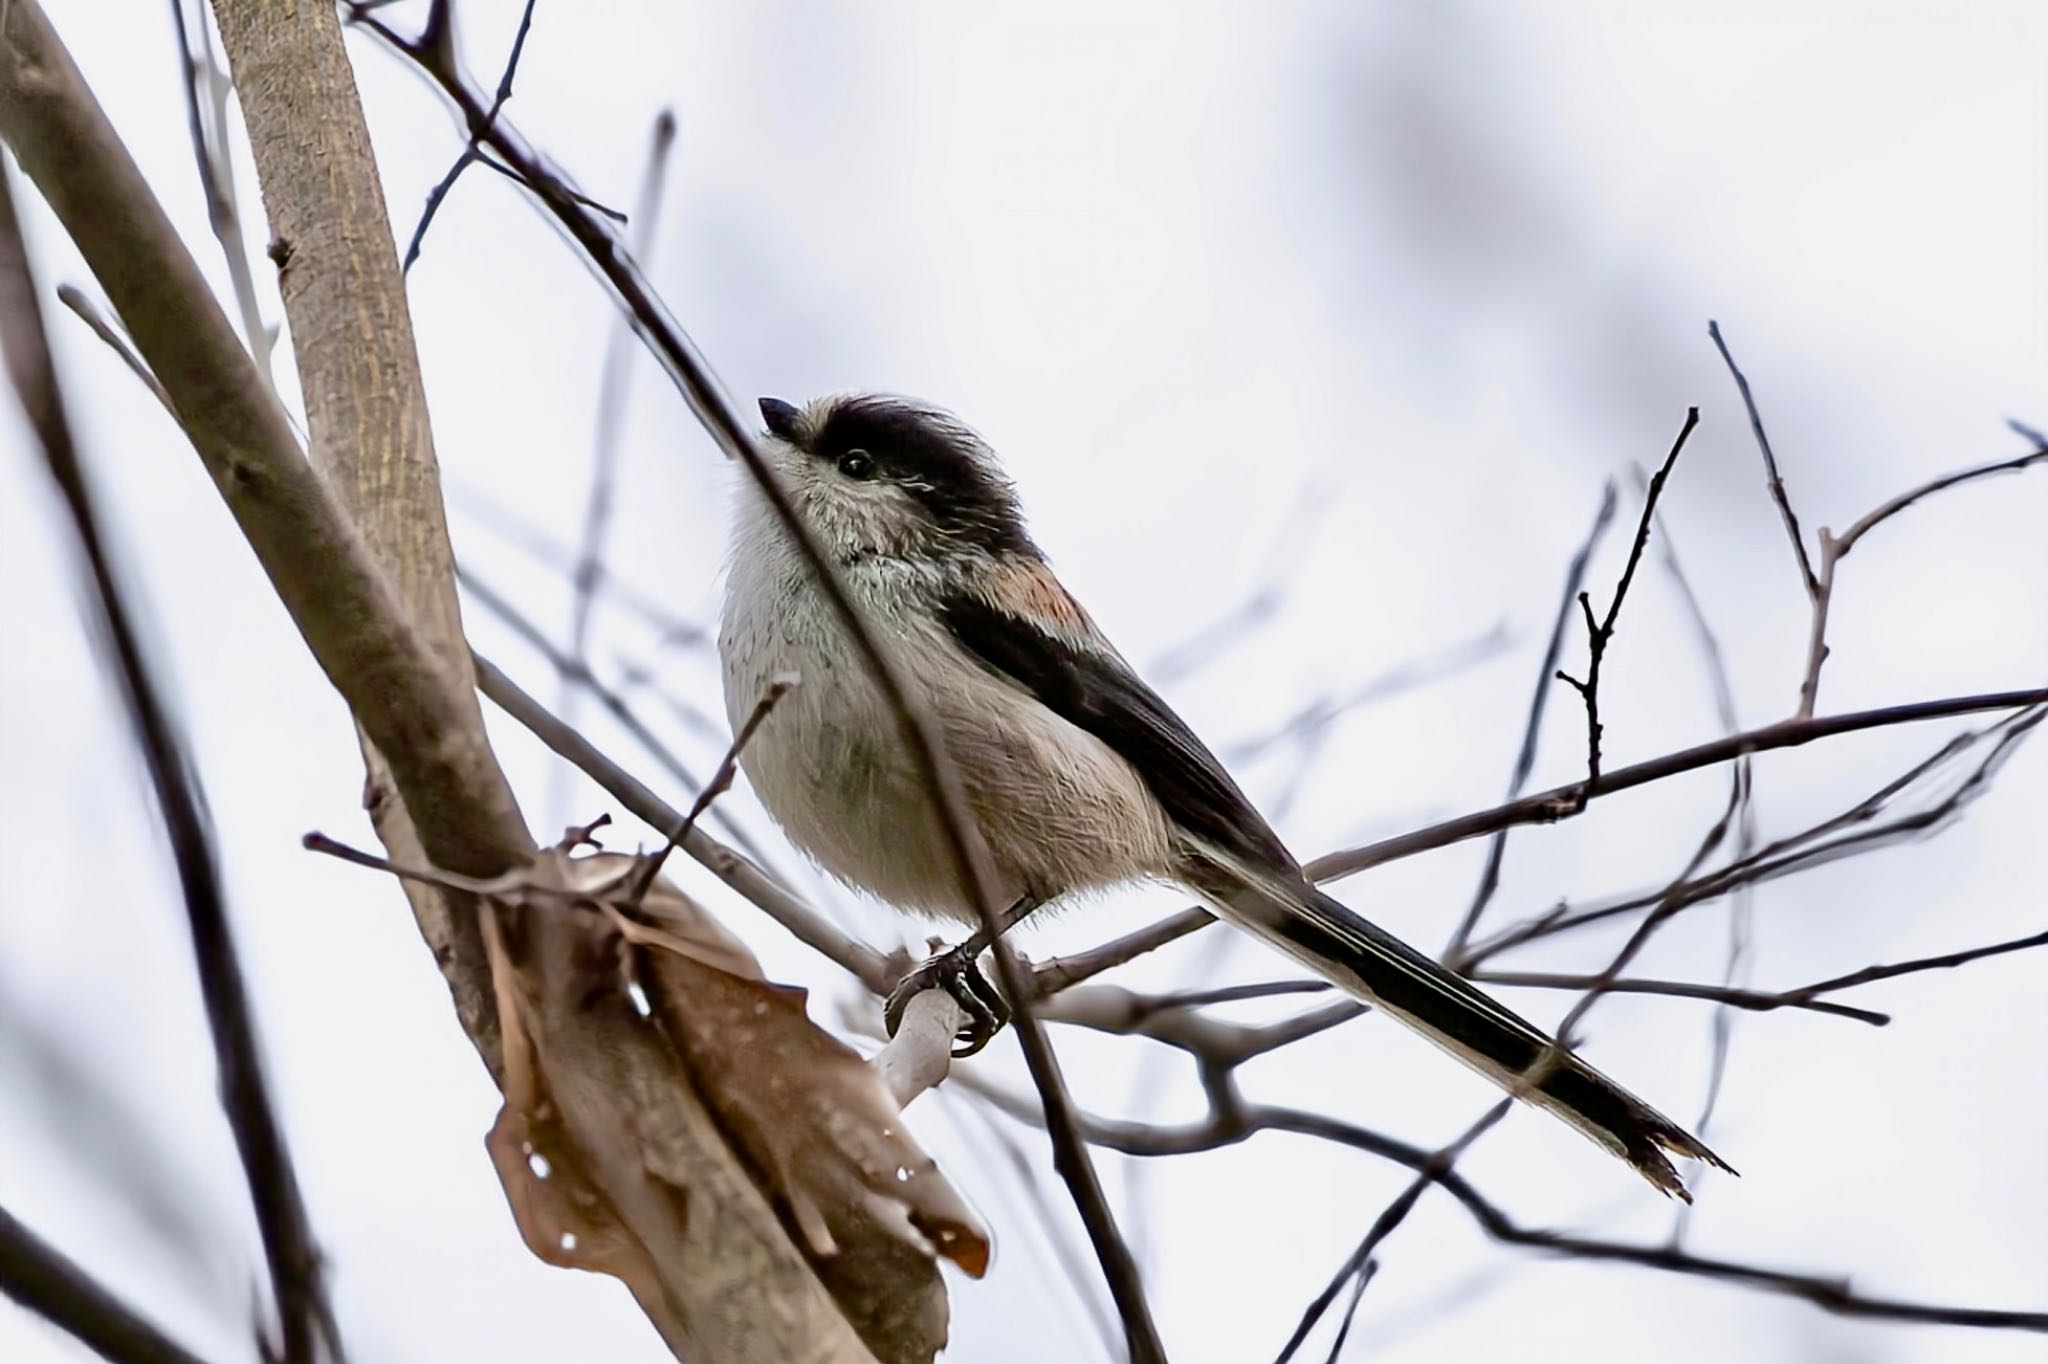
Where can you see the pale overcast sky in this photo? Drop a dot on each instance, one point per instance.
(1433, 272)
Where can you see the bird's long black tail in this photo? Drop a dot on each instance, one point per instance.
(1446, 1008)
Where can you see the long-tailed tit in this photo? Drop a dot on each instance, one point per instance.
(1078, 776)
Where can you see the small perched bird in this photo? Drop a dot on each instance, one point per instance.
(1077, 774)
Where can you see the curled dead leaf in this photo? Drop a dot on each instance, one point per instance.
(820, 1136)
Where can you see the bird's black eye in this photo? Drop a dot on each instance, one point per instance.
(857, 464)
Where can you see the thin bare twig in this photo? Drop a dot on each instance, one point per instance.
(1946, 961)
(1741, 793)
(304, 1319)
(1216, 1045)
(1530, 1079)
(1850, 831)
(1308, 724)
(1228, 1126)
(1755, 1001)
(536, 543)
(1599, 634)
(1834, 548)
(1359, 1281)
(1359, 1265)
(575, 196)
(206, 119)
(1820, 583)
(1532, 728)
(520, 880)
(809, 927)
(1297, 533)
(439, 36)
(574, 671)
(75, 299)
(613, 390)
(1051, 977)
(1776, 481)
(1886, 510)
(1544, 807)
(720, 783)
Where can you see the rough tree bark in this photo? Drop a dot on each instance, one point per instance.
(366, 405)
(656, 1143)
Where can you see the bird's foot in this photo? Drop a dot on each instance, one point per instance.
(955, 972)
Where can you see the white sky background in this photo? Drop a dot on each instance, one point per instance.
(1436, 271)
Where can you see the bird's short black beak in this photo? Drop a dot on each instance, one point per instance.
(781, 417)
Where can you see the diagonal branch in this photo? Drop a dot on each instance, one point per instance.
(46, 1282)
(1442, 1162)
(1885, 511)
(1776, 481)
(1735, 997)
(1838, 836)
(110, 335)
(613, 394)
(1805, 995)
(305, 1319)
(1742, 817)
(577, 675)
(1544, 807)
(1360, 1266)
(692, 375)
(206, 120)
(720, 783)
(1060, 973)
(1224, 1127)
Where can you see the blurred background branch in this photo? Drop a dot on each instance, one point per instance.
(302, 1329)
(1244, 597)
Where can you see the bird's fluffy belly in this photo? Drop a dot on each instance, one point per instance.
(1058, 811)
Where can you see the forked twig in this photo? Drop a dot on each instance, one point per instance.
(1600, 633)
(1532, 728)
(1820, 584)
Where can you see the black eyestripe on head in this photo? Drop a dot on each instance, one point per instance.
(937, 460)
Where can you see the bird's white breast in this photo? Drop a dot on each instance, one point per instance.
(1056, 808)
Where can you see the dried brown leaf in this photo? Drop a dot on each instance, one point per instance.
(563, 1218)
(818, 1133)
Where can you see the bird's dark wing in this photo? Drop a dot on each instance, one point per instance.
(1097, 692)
